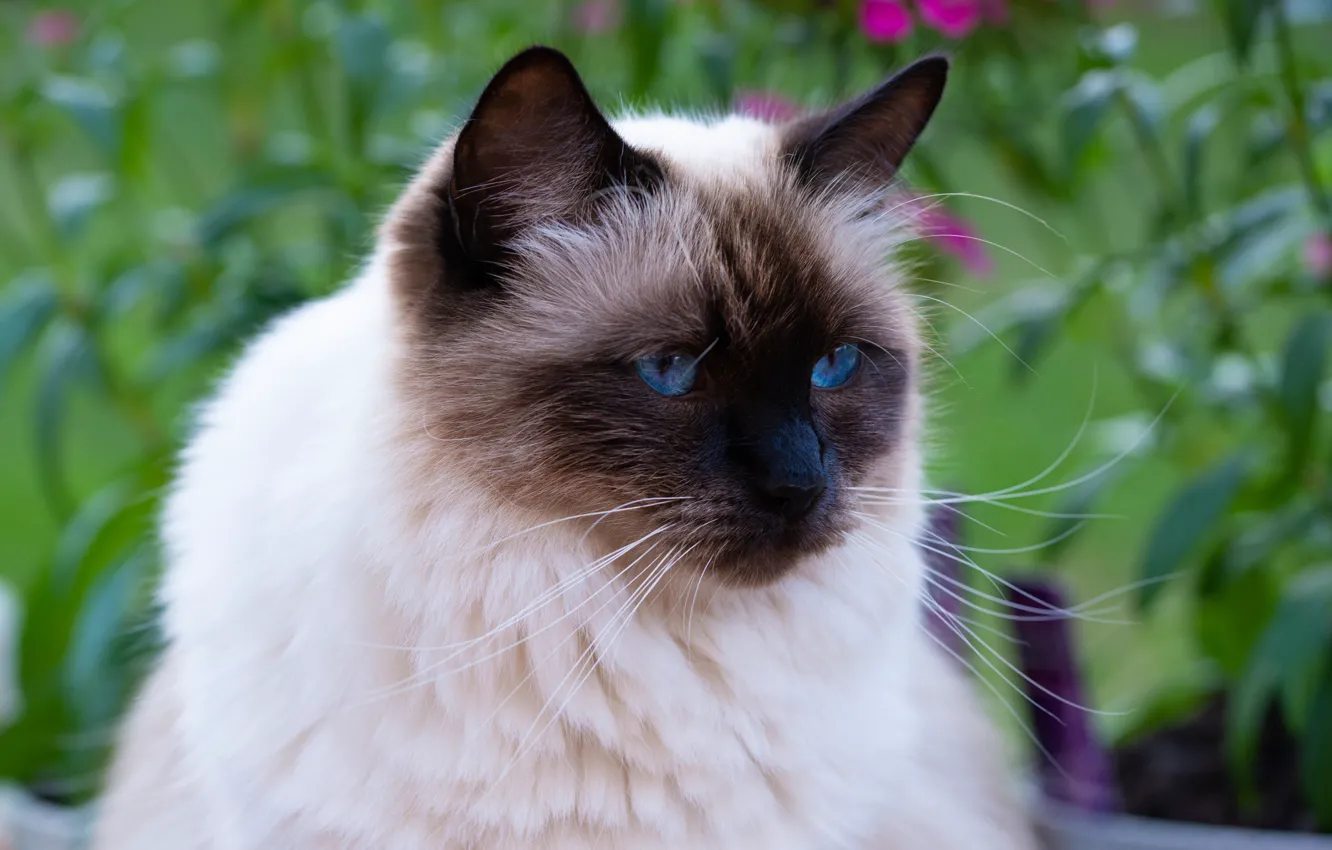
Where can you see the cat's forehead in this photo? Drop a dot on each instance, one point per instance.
(721, 151)
(744, 255)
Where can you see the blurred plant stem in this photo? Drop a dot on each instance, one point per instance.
(1153, 154)
(1298, 127)
(32, 202)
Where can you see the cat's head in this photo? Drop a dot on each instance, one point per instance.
(693, 326)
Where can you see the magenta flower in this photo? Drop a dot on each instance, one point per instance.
(885, 21)
(952, 18)
(1318, 255)
(53, 28)
(766, 106)
(950, 234)
(995, 12)
(596, 16)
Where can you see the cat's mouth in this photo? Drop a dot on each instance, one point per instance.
(760, 559)
(732, 542)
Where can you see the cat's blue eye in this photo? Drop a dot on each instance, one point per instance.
(668, 374)
(836, 368)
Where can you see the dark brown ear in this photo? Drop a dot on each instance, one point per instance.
(863, 142)
(536, 149)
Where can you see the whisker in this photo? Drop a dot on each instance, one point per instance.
(641, 594)
(431, 671)
(1023, 723)
(873, 497)
(976, 675)
(935, 577)
(1007, 250)
(971, 639)
(1020, 550)
(632, 505)
(1028, 679)
(1014, 207)
(647, 570)
(1030, 613)
(535, 604)
(689, 628)
(982, 326)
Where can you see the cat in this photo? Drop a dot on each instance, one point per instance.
(545, 533)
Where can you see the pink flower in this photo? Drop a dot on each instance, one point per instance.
(995, 12)
(596, 16)
(949, 233)
(952, 18)
(53, 28)
(766, 106)
(885, 21)
(1318, 255)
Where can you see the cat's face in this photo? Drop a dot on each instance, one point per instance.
(703, 365)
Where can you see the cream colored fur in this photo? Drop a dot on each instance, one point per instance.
(324, 686)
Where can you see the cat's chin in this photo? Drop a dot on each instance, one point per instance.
(756, 563)
(761, 569)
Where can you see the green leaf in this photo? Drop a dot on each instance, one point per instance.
(1242, 19)
(1078, 501)
(93, 107)
(363, 46)
(66, 360)
(96, 685)
(1247, 240)
(209, 335)
(1305, 618)
(75, 197)
(105, 530)
(1302, 368)
(1186, 522)
(1257, 544)
(81, 534)
(1175, 701)
(1202, 123)
(248, 202)
(1230, 614)
(1085, 107)
(717, 55)
(648, 25)
(27, 307)
(1293, 645)
(1116, 44)
(1037, 302)
(1316, 753)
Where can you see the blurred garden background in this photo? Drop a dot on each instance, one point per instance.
(1128, 275)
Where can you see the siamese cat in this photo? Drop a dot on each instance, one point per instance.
(546, 532)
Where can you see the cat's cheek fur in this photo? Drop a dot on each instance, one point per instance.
(324, 686)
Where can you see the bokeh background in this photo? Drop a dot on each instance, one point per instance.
(1127, 271)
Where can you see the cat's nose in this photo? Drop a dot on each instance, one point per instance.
(794, 500)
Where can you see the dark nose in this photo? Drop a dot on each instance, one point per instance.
(795, 500)
(783, 457)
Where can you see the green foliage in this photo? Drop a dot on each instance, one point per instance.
(1223, 330)
(179, 174)
(1187, 520)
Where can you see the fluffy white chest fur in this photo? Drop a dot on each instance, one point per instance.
(367, 651)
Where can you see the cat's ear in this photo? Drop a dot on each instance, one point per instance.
(536, 149)
(864, 141)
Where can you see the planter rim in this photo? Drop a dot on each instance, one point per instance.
(1079, 829)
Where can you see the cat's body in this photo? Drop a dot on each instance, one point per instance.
(375, 645)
